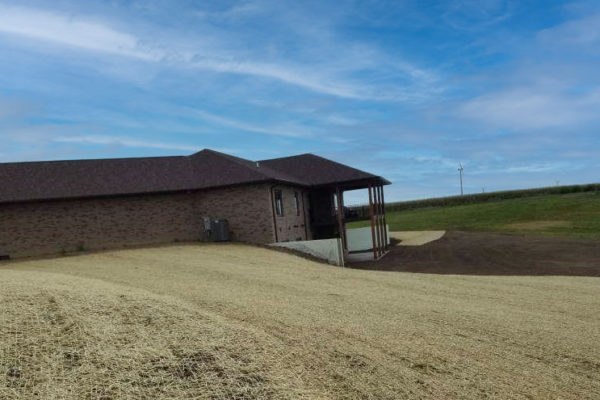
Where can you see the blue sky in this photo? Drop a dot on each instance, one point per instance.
(404, 89)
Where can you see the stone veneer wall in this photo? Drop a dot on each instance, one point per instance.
(292, 227)
(51, 227)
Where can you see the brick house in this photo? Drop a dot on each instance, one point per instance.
(55, 206)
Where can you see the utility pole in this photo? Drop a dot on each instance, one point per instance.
(460, 172)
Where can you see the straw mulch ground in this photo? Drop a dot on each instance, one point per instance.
(233, 321)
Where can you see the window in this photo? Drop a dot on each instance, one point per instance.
(279, 203)
(334, 205)
(297, 203)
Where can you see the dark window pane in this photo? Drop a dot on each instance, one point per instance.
(279, 203)
(297, 203)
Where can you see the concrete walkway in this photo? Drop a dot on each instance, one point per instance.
(416, 238)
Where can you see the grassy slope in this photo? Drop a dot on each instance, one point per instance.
(220, 321)
(577, 215)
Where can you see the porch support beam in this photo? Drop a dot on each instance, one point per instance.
(381, 224)
(384, 221)
(377, 230)
(340, 217)
(372, 215)
(381, 227)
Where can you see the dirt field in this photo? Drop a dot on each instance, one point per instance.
(484, 253)
(232, 321)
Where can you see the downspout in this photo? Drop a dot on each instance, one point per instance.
(303, 192)
(274, 212)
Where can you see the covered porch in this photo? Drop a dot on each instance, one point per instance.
(329, 216)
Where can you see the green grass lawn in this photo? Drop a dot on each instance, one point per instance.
(576, 214)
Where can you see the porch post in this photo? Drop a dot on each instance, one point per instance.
(381, 227)
(345, 238)
(372, 214)
(340, 217)
(385, 233)
(377, 221)
(380, 222)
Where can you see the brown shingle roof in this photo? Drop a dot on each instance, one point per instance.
(314, 170)
(28, 181)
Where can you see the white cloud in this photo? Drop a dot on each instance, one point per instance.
(126, 142)
(535, 168)
(87, 34)
(15, 108)
(70, 31)
(520, 167)
(340, 120)
(290, 75)
(235, 12)
(553, 86)
(290, 131)
(437, 160)
(532, 108)
(584, 31)
(472, 15)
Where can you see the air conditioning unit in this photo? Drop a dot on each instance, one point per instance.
(216, 229)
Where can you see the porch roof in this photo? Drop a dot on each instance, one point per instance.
(313, 170)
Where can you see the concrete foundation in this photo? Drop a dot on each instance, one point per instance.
(325, 249)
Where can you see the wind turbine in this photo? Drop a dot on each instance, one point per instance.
(460, 172)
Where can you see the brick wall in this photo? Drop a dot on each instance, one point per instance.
(50, 227)
(290, 226)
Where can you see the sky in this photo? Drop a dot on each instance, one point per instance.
(402, 89)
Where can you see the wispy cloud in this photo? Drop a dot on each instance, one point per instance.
(15, 108)
(71, 31)
(127, 142)
(544, 167)
(289, 131)
(554, 86)
(235, 12)
(85, 33)
(436, 160)
(473, 15)
(291, 75)
(532, 108)
(580, 32)
(401, 89)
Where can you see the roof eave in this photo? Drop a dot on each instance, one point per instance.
(139, 193)
(361, 183)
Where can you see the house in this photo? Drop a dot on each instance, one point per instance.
(57, 206)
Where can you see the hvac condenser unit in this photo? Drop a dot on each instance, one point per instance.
(216, 230)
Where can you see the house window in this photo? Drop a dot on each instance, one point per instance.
(297, 203)
(279, 203)
(334, 205)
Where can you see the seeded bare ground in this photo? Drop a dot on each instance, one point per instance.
(233, 321)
